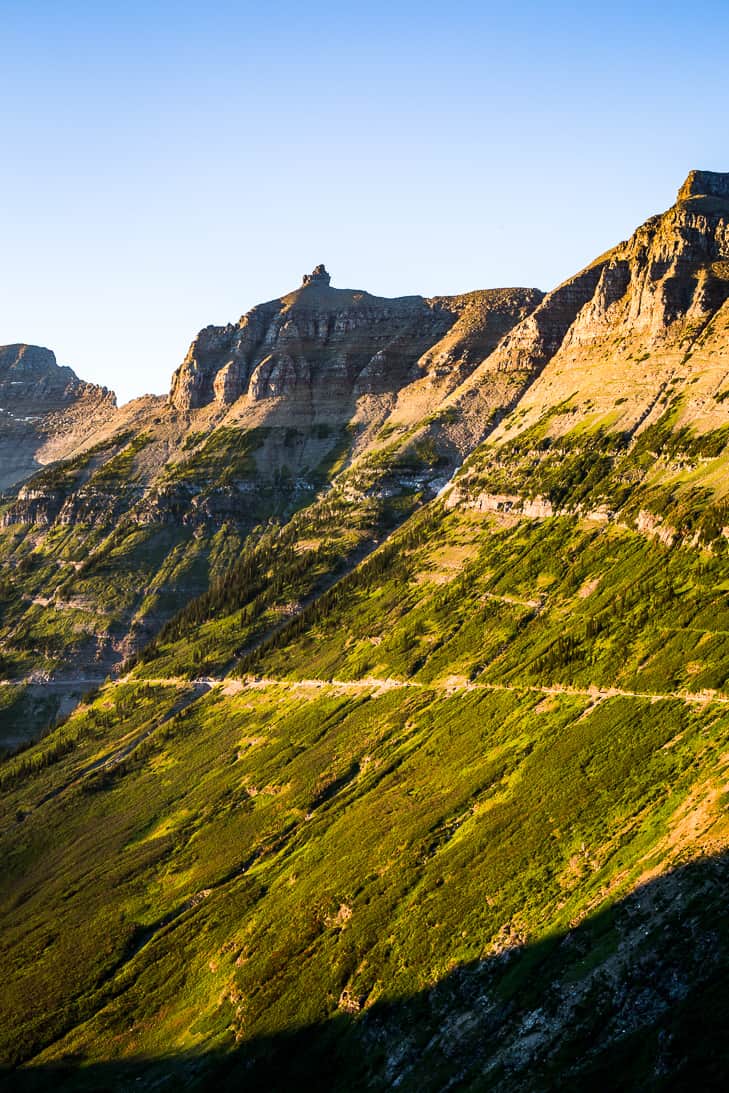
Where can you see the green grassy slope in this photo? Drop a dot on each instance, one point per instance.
(559, 602)
(283, 854)
(417, 794)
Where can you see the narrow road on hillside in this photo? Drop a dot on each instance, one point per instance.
(194, 689)
(54, 684)
(454, 685)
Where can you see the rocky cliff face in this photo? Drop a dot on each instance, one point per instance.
(704, 184)
(31, 379)
(674, 268)
(260, 402)
(645, 319)
(45, 410)
(627, 417)
(319, 345)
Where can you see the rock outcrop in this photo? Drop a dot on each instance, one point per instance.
(31, 379)
(672, 269)
(318, 276)
(44, 408)
(317, 343)
(675, 267)
(704, 184)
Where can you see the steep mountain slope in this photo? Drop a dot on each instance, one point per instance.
(602, 428)
(640, 381)
(504, 754)
(101, 549)
(428, 789)
(45, 410)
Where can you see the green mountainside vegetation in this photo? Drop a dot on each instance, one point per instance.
(417, 775)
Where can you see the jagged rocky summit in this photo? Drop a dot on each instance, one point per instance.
(32, 380)
(649, 315)
(705, 184)
(318, 276)
(45, 410)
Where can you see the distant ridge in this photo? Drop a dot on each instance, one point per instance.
(43, 404)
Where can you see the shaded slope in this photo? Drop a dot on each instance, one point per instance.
(45, 410)
(642, 967)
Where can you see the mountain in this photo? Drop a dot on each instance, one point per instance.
(262, 417)
(642, 372)
(323, 343)
(414, 775)
(45, 410)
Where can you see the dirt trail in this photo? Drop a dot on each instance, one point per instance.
(513, 600)
(55, 684)
(194, 689)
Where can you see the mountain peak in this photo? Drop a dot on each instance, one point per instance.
(705, 184)
(318, 276)
(27, 359)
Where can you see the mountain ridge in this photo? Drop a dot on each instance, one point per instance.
(295, 386)
(414, 736)
(265, 353)
(46, 410)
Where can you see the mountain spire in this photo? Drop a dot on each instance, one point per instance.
(318, 276)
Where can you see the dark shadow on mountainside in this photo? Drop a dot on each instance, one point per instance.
(634, 998)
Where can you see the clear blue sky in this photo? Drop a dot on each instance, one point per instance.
(168, 165)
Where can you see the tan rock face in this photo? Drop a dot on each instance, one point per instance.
(704, 184)
(646, 312)
(671, 269)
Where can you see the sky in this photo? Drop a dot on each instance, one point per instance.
(167, 165)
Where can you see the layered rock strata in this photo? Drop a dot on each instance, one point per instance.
(645, 319)
(44, 408)
(324, 346)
